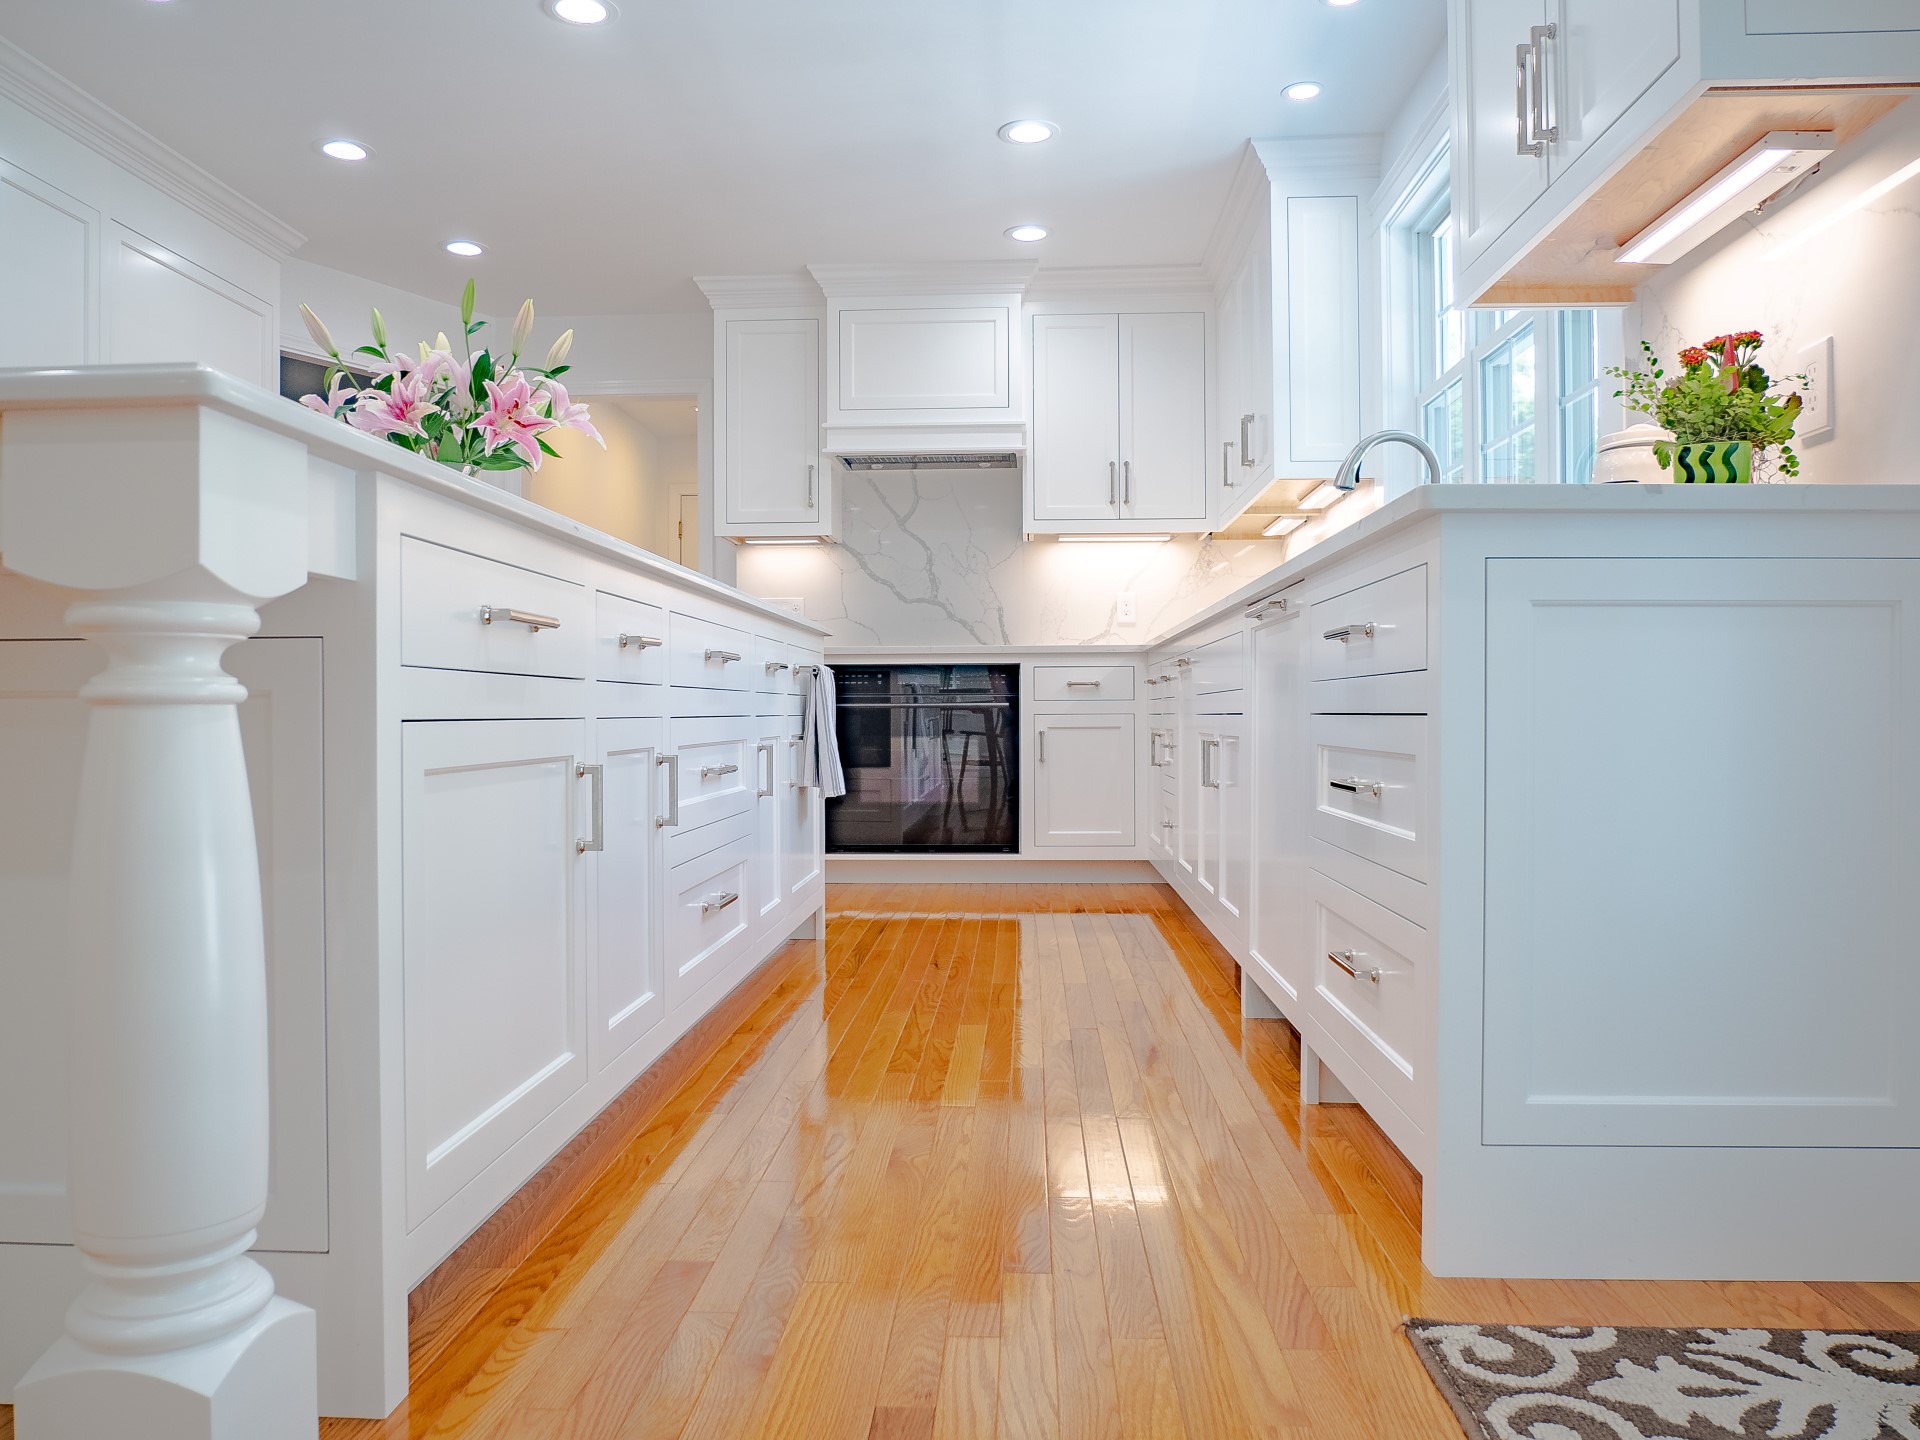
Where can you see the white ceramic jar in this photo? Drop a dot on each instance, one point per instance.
(1626, 458)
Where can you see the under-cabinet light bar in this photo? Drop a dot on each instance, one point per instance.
(1285, 525)
(780, 540)
(1113, 539)
(1765, 170)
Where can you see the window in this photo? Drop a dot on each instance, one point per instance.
(1502, 396)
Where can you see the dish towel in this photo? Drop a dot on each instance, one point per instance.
(819, 744)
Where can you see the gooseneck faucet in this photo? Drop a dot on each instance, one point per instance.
(1347, 477)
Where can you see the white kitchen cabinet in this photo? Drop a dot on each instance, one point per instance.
(1495, 176)
(1084, 768)
(1604, 55)
(802, 852)
(769, 818)
(1246, 368)
(1277, 684)
(1119, 420)
(492, 964)
(1224, 858)
(773, 477)
(624, 957)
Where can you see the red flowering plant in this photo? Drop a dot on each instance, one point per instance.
(1722, 394)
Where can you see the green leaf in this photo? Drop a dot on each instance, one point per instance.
(372, 350)
(546, 448)
(466, 305)
(558, 370)
(476, 327)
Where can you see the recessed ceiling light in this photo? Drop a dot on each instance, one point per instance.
(1341, 4)
(462, 247)
(579, 12)
(1027, 234)
(344, 150)
(1027, 132)
(1303, 90)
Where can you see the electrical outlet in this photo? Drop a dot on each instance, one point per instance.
(1816, 414)
(1129, 612)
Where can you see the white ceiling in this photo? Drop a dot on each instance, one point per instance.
(603, 167)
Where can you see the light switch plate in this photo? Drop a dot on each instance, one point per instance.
(1816, 414)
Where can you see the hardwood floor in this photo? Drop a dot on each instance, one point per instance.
(992, 1161)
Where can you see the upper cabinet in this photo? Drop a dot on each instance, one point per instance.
(1119, 436)
(1580, 123)
(1292, 297)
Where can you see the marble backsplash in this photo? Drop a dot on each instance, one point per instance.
(939, 558)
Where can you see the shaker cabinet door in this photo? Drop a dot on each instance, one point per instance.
(1076, 417)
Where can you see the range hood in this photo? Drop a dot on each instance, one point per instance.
(931, 460)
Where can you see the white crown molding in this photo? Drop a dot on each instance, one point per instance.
(744, 292)
(1168, 280)
(73, 112)
(1428, 139)
(1345, 155)
(1250, 186)
(976, 277)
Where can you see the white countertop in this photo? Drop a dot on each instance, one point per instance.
(118, 387)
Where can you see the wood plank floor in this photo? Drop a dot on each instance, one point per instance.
(993, 1161)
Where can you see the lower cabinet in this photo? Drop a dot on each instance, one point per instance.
(802, 848)
(710, 910)
(1277, 793)
(1222, 862)
(493, 814)
(769, 814)
(1084, 780)
(628, 993)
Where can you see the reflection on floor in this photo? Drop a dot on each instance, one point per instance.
(1010, 1165)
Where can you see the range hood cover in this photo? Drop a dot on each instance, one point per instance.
(932, 460)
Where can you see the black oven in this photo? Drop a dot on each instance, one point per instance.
(931, 755)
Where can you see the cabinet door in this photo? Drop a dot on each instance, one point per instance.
(624, 885)
(1606, 55)
(1277, 936)
(491, 958)
(45, 722)
(1700, 906)
(1232, 825)
(769, 831)
(1083, 780)
(1492, 181)
(773, 422)
(1076, 417)
(801, 853)
(1163, 416)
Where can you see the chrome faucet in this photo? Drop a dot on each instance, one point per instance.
(1347, 477)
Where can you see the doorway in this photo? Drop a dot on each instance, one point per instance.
(638, 487)
(687, 530)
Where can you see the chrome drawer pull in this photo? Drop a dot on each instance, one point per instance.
(725, 657)
(599, 840)
(777, 665)
(708, 906)
(672, 817)
(1184, 663)
(1083, 684)
(1345, 958)
(1375, 788)
(707, 772)
(1348, 633)
(765, 747)
(1281, 606)
(640, 642)
(528, 618)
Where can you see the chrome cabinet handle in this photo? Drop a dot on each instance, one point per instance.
(809, 487)
(725, 657)
(1522, 107)
(776, 665)
(707, 772)
(1349, 633)
(1113, 482)
(1083, 684)
(599, 840)
(1209, 774)
(707, 907)
(1226, 463)
(1184, 663)
(794, 746)
(1246, 442)
(1041, 735)
(1281, 605)
(1154, 737)
(1126, 481)
(765, 747)
(640, 642)
(1345, 958)
(532, 620)
(672, 817)
(1545, 132)
(1375, 788)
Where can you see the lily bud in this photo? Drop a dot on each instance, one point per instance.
(558, 354)
(522, 325)
(440, 342)
(423, 352)
(319, 331)
(379, 329)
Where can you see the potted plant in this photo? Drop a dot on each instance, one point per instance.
(472, 410)
(1721, 409)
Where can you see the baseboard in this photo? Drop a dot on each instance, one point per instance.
(984, 870)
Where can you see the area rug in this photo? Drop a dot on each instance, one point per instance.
(1517, 1382)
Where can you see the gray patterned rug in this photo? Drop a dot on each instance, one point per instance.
(1515, 1382)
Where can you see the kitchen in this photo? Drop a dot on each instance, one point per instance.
(1285, 884)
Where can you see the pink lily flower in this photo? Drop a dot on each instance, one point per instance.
(399, 365)
(568, 416)
(338, 394)
(512, 419)
(398, 412)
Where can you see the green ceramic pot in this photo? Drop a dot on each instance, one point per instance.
(1722, 462)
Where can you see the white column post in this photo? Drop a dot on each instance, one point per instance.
(172, 523)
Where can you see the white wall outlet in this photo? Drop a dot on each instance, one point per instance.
(1129, 611)
(1816, 414)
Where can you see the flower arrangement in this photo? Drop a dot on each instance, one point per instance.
(1722, 395)
(469, 410)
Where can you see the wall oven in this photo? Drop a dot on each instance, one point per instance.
(931, 755)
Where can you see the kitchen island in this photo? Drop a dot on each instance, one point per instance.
(1574, 829)
(512, 804)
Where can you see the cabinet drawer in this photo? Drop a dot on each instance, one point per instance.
(450, 615)
(772, 672)
(1219, 666)
(629, 640)
(706, 655)
(1370, 789)
(1378, 629)
(1378, 1015)
(1083, 682)
(716, 767)
(708, 909)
